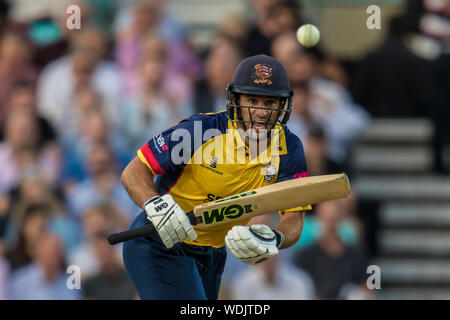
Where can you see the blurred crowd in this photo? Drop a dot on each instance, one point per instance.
(75, 105)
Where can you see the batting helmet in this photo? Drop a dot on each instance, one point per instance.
(263, 76)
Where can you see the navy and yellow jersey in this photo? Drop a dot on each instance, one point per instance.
(199, 160)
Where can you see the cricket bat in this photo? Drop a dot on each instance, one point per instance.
(272, 198)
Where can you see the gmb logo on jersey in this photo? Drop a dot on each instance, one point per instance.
(161, 142)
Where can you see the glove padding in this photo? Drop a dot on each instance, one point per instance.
(169, 220)
(252, 244)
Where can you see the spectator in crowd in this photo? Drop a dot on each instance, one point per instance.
(158, 103)
(144, 16)
(350, 228)
(234, 28)
(93, 129)
(101, 186)
(99, 14)
(436, 25)
(334, 71)
(112, 281)
(85, 100)
(135, 24)
(272, 280)
(33, 225)
(223, 58)
(45, 277)
(284, 48)
(262, 29)
(21, 154)
(391, 81)
(14, 66)
(34, 191)
(271, 18)
(83, 66)
(175, 84)
(98, 219)
(310, 132)
(287, 16)
(155, 48)
(23, 97)
(333, 265)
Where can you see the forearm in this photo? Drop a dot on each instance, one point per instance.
(138, 181)
(291, 225)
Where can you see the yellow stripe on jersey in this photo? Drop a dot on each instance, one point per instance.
(142, 158)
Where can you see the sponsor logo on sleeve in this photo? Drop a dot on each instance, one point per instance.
(160, 143)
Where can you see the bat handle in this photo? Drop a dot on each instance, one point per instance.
(142, 231)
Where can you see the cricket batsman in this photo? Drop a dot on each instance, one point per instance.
(185, 262)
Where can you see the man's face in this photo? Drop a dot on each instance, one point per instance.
(22, 98)
(21, 129)
(100, 160)
(255, 112)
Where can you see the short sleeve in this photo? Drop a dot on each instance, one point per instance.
(172, 149)
(293, 164)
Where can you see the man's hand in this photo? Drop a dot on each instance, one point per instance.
(253, 244)
(169, 220)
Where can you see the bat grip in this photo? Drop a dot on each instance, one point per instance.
(142, 231)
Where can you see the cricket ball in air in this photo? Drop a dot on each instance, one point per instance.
(308, 35)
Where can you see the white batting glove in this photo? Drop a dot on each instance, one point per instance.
(169, 220)
(253, 244)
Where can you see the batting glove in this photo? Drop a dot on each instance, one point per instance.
(253, 244)
(169, 220)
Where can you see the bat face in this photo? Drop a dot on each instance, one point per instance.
(279, 196)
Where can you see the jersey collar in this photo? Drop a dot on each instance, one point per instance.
(265, 156)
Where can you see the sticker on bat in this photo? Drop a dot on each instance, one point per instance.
(232, 211)
(241, 195)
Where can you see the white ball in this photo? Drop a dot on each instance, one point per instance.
(308, 35)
